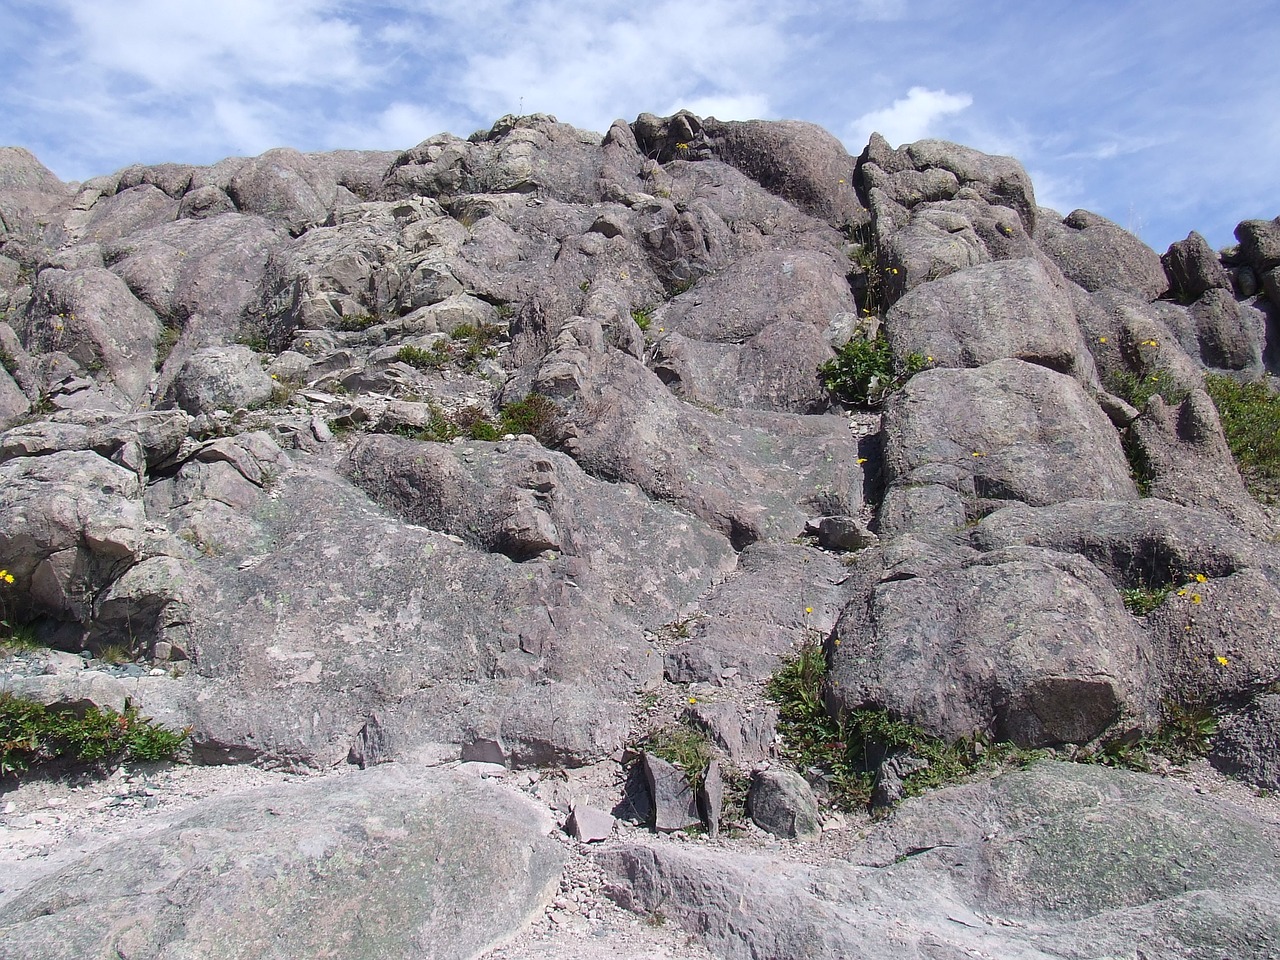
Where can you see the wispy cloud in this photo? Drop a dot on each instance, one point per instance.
(910, 118)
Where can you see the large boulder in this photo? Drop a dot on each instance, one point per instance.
(1011, 308)
(1019, 644)
(1009, 430)
(221, 378)
(1096, 253)
(390, 862)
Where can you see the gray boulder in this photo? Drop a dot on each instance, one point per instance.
(1194, 268)
(1096, 253)
(799, 162)
(1009, 430)
(221, 378)
(781, 802)
(390, 862)
(1010, 308)
(286, 185)
(675, 805)
(123, 214)
(1000, 181)
(1020, 644)
(92, 316)
(1055, 861)
(1259, 244)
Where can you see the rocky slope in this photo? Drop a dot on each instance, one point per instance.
(513, 449)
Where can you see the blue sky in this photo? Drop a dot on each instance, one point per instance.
(1163, 116)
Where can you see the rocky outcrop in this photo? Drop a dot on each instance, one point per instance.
(520, 448)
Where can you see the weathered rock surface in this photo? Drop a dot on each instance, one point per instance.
(389, 862)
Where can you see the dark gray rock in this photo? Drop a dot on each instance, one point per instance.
(391, 863)
(1259, 244)
(1247, 744)
(799, 162)
(781, 802)
(711, 798)
(844, 533)
(675, 805)
(1096, 253)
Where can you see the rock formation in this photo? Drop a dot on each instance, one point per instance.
(509, 448)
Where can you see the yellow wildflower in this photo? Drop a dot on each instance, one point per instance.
(1223, 661)
(808, 609)
(977, 453)
(862, 460)
(1201, 578)
(6, 576)
(693, 699)
(1182, 592)
(1195, 598)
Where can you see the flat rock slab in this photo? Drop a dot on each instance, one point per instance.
(397, 862)
(1055, 861)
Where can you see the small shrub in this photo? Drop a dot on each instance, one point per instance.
(1184, 734)
(1250, 415)
(643, 317)
(165, 342)
(865, 371)
(32, 734)
(684, 746)
(1142, 600)
(356, 324)
(420, 359)
(536, 415)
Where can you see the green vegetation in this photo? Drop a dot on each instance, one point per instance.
(1184, 734)
(356, 324)
(1250, 415)
(1137, 388)
(420, 359)
(848, 750)
(643, 317)
(1142, 600)
(535, 415)
(684, 746)
(165, 342)
(9, 362)
(32, 734)
(865, 371)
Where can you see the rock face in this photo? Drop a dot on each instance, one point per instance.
(525, 446)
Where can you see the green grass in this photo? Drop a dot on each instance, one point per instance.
(643, 317)
(1250, 415)
(1184, 734)
(356, 324)
(684, 746)
(535, 415)
(32, 735)
(847, 750)
(865, 372)
(1137, 388)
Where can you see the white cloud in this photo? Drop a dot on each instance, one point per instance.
(910, 118)
(591, 63)
(184, 44)
(397, 127)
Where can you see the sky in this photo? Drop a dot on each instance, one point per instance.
(1162, 116)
